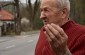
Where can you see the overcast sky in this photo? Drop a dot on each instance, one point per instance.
(23, 1)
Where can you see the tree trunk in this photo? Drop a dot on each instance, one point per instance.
(32, 12)
(18, 18)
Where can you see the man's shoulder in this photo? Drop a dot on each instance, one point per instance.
(80, 27)
(79, 30)
(76, 30)
(76, 26)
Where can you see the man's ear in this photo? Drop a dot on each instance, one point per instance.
(64, 13)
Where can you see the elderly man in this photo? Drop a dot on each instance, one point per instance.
(59, 35)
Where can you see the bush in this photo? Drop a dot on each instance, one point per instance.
(38, 23)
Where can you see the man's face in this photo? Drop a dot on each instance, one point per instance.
(50, 13)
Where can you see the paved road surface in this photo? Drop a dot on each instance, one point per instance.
(18, 45)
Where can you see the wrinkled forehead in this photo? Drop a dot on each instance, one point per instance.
(51, 3)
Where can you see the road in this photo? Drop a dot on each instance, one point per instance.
(18, 45)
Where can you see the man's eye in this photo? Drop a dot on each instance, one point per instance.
(45, 10)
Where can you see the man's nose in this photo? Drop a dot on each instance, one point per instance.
(42, 15)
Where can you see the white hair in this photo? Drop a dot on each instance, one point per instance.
(63, 3)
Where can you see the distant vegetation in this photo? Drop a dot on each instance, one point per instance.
(78, 11)
(32, 12)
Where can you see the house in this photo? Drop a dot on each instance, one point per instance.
(6, 16)
(6, 21)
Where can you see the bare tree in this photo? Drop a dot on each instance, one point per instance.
(32, 11)
(18, 17)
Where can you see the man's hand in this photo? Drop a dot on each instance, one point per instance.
(57, 38)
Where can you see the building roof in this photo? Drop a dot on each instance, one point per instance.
(6, 16)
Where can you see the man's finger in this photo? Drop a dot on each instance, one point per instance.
(54, 31)
(50, 34)
(49, 39)
(59, 29)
